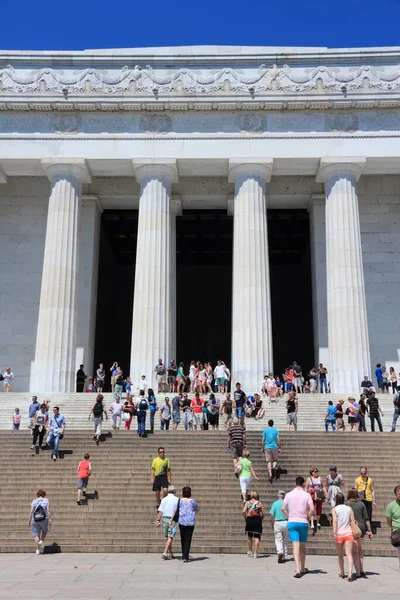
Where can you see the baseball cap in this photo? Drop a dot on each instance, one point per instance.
(171, 489)
(281, 493)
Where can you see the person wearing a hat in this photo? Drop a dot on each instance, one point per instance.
(339, 415)
(279, 525)
(165, 513)
(8, 376)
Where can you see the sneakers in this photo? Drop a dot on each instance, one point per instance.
(280, 558)
(32, 447)
(164, 556)
(271, 479)
(255, 555)
(37, 552)
(79, 502)
(41, 547)
(54, 458)
(250, 554)
(84, 492)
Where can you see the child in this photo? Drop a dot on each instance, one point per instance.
(16, 420)
(84, 470)
(89, 387)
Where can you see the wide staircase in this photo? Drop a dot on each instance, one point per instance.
(76, 407)
(119, 513)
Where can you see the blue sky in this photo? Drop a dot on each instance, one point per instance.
(76, 25)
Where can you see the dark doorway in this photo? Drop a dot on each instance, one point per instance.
(117, 257)
(204, 285)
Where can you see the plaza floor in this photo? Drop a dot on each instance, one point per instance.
(213, 577)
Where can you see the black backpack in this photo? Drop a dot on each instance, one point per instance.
(98, 409)
(143, 405)
(39, 514)
(120, 380)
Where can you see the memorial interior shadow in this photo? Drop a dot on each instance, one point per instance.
(204, 282)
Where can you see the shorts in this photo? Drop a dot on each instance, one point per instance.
(171, 378)
(352, 420)
(340, 424)
(244, 483)
(176, 417)
(38, 527)
(291, 419)
(220, 381)
(169, 532)
(297, 382)
(345, 538)
(227, 417)
(239, 411)
(82, 482)
(271, 454)
(160, 482)
(298, 532)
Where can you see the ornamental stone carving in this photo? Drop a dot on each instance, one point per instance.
(155, 124)
(66, 123)
(146, 80)
(250, 123)
(342, 122)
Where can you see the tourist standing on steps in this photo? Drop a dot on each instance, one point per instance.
(56, 430)
(153, 408)
(219, 375)
(98, 411)
(166, 512)
(253, 513)
(227, 411)
(172, 374)
(16, 419)
(165, 414)
(116, 412)
(80, 379)
(8, 376)
(323, 378)
(330, 417)
(297, 377)
(187, 509)
(244, 470)
(33, 408)
(298, 508)
(393, 520)
(119, 384)
(340, 425)
(396, 413)
(279, 526)
(292, 407)
(161, 374)
(365, 488)
(160, 474)
(100, 378)
(271, 448)
(197, 410)
(239, 399)
(362, 520)
(39, 424)
(39, 520)
(342, 518)
(374, 411)
(176, 411)
(114, 371)
(334, 485)
(214, 411)
(84, 472)
(318, 493)
(128, 410)
(142, 408)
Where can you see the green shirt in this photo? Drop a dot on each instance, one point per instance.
(246, 468)
(393, 512)
(276, 510)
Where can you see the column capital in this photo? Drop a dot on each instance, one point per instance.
(176, 205)
(3, 176)
(67, 167)
(250, 166)
(148, 167)
(331, 166)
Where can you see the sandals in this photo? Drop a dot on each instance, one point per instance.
(342, 576)
(297, 575)
(305, 572)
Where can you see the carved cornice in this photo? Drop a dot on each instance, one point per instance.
(145, 88)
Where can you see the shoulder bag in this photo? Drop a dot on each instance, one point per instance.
(362, 494)
(395, 538)
(355, 530)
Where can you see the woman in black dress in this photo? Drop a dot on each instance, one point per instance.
(253, 513)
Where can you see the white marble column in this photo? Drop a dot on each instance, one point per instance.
(152, 321)
(53, 369)
(88, 278)
(316, 210)
(176, 210)
(252, 355)
(349, 356)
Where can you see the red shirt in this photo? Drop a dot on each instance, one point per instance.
(197, 405)
(84, 469)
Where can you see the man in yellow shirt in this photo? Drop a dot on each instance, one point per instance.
(160, 474)
(365, 488)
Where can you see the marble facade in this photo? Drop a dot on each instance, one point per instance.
(166, 129)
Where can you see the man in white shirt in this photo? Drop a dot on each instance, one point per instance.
(8, 376)
(166, 512)
(220, 374)
(143, 384)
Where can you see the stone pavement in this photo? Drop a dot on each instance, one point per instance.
(213, 577)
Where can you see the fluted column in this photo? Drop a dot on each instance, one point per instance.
(349, 356)
(252, 355)
(53, 369)
(152, 300)
(176, 210)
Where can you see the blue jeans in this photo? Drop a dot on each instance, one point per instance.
(288, 386)
(141, 421)
(333, 423)
(323, 384)
(361, 422)
(52, 441)
(376, 416)
(396, 415)
(152, 415)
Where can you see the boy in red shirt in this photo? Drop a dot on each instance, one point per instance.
(84, 470)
